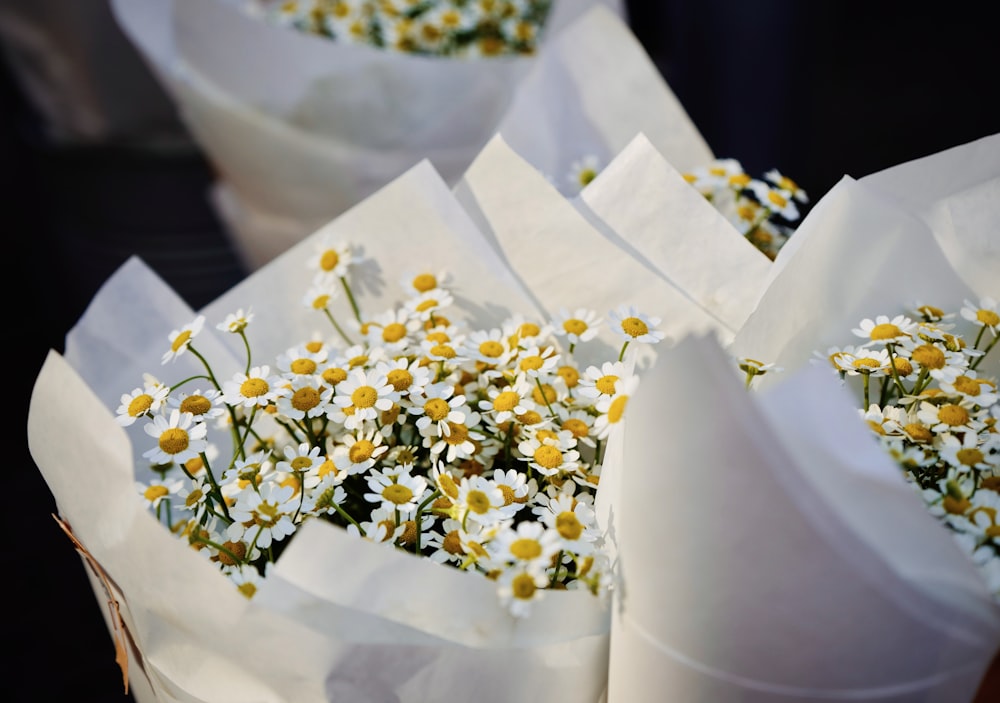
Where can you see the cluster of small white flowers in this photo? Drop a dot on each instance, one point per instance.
(937, 416)
(763, 210)
(462, 28)
(480, 449)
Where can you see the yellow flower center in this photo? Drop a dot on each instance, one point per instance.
(452, 543)
(321, 301)
(301, 463)
(329, 259)
(491, 349)
(739, 180)
(174, 440)
(303, 366)
(424, 282)
(577, 426)
(575, 326)
(529, 329)
(359, 360)
(634, 327)
(361, 450)
(506, 401)
(478, 502)
(966, 385)
(617, 409)
(154, 493)
(929, 356)
(969, 456)
(305, 399)
(569, 375)
(885, 330)
(526, 549)
(866, 364)
(443, 351)
(956, 506)
(523, 586)
(548, 457)
(988, 317)
(334, 375)
(606, 384)
(140, 405)
(180, 340)
(902, 365)
(531, 417)
(917, 432)
(254, 388)
(954, 415)
(508, 493)
(531, 363)
(457, 434)
(544, 394)
(196, 405)
(436, 409)
(393, 332)
(400, 379)
(426, 305)
(364, 397)
(398, 494)
(568, 525)
(447, 485)
(777, 199)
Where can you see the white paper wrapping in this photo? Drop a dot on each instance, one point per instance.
(301, 128)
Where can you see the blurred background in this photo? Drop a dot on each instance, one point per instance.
(99, 167)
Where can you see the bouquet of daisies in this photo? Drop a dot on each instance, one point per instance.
(306, 108)
(845, 544)
(397, 470)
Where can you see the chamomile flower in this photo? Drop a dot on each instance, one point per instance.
(573, 521)
(519, 586)
(256, 389)
(966, 453)
(301, 360)
(949, 417)
(426, 305)
(598, 381)
(776, 200)
(582, 171)
(356, 453)
(303, 397)
(480, 500)
(180, 339)
(330, 260)
(263, 515)
(985, 314)
(395, 490)
(247, 579)
(550, 453)
(491, 347)
(634, 326)
(786, 184)
(203, 404)
(581, 325)
(537, 362)
(506, 403)
(884, 329)
(611, 410)
(141, 402)
(158, 490)
(435, 407)
(361, 396)
(236, 322)
(178, 436)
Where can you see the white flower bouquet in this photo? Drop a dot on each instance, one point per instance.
(208, 600)
(838, 521)
(301, 126)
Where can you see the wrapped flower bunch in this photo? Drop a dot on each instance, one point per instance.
(922, 395)
(478, 449)
(464, 28)
(764, 210)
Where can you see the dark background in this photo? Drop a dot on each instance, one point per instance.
(817, 89)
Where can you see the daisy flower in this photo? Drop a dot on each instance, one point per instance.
(330, 260)
(582, 171)
(435, 407)
(529, 544)
(966, 453)
(634, 326)
(550, 453)
(141, 402)
(258, 388)
(480, 500)
(247, 579)
(395, 490)
(301, 360)
(777, 200)
(574, 521)
(612, 410)
(985, 314)
(490, 347)
(786, 184)
(236, 322)
(180, 339)
(537, 362)
(518, 586)
(506, 403)
(361, 396)
(304, 397)
(598, 381)
(263, 515)
(356, 453)
(179, 437)
(426, 305)
(456, 441)
(203, 404)
(158, 489)
(883, 330)
(581, 325)
(949, 417)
